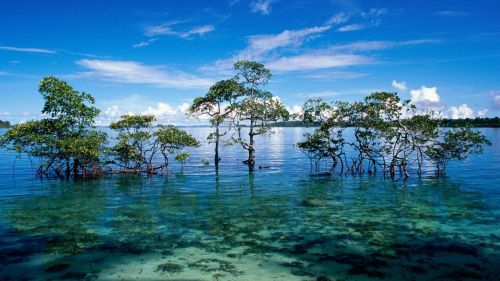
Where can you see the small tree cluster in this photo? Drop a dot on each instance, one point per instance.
(144, 148)
(456, 144)
(244, 106)
(4, 124)
(389, 134)
(64, 140)
(217, 104)
(68, 146)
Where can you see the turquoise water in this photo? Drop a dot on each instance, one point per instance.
(278, 223)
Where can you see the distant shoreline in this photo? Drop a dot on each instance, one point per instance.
(445, 123)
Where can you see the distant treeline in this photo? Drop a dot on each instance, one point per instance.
(4, 124)
(476, 122)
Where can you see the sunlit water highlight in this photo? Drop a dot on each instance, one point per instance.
(278, 223)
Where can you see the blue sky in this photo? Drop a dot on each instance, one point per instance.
(156, 56)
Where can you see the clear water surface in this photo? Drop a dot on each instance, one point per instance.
(278, 223)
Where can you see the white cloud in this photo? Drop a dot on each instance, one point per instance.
(399, 85)
(482, 113)
(137, 73)
(111, 114)
(261, 6)
(160, 110)
(496, 100)
(125, 104)
(461, 112)
(137, 104)
(165, 113)
(112, 111)
(164, 109)
(167, 29)
(161, 29)
(365, 46)
(200, 31)
(296, 109)
(269, 49)
(183, 107)
(338, 18)
(259, 45)
(316, 61)
(262, 47)
(427, 99)
(351, 27)
(374, 12)
(145, 43)
(336, 75)
(365, 19)
(452, 13)
(26, 50)
(425, 95)
(323, 94)
(20, 117)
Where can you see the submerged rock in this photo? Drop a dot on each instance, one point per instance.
(474, 266)
(57, 267)
(296, 264)
(300, 272)
(169, 268)
(314, 203)
(215, 265)
(362, 270)
(73, 276)
(360, 264)
(299, 250)
(417, 269)
(462, 274)
(14, 256)
(452, 248)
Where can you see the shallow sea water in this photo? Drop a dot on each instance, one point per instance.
(278, 223)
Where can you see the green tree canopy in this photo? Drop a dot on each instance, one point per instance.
(255, 108)
(455, 144)
(64, 142)
(141, 145)
(4, 124)
(388, 133)
(217, 105)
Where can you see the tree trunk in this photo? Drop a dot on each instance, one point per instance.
(251, 155)
(251, 151)
(405, 169)
(75, 168)
(392, 170)
(68, 169)
(217, 159)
